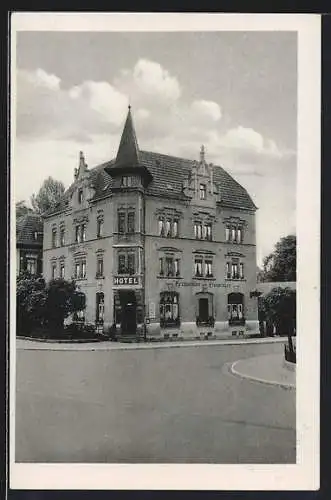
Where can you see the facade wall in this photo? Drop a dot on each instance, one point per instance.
(90, 249)
(185, 247)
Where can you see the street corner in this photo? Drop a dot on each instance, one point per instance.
(267, 369)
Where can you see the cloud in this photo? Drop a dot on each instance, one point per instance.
(207, 109)
(40, 78)
(152, 79)
(44, 110)
(103, 98)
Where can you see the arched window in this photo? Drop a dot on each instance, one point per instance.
(236, 314)
(169, 309)
(80, 301)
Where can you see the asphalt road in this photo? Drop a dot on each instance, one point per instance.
(157, 405)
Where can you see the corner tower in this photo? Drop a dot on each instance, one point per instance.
(130, 178)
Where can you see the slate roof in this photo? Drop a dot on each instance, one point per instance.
(26, 226)
(166, 170)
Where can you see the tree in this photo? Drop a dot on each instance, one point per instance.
(280, 265)
(279, 308)
(45, 305)
(22, 209)
(62, 300)
(48, 195)
(30, 302)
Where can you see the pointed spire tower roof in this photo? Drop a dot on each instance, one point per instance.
(128, 151)
(127, 159)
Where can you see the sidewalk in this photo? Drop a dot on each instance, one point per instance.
(269, 369)
(117, 346)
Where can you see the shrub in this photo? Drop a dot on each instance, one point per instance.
(278, 307)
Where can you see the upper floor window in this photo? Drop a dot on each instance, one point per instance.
(80, 233)
(80, 196)
(198, 267)
(121, 222)
(208, 268)
(235, 270)
(54, 234)
(99, 227)
(168, 227)
(127, 181)
(203, 191)
(126, 263)
(62, 270)
(203, 231)
(233, 233)
(99, 273)
(131, 226)
(80, 269)
(169, 267)
(203, 267)
(62, 237)
(126, 221)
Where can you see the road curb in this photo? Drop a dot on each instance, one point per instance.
(242, 375)
(100, 346)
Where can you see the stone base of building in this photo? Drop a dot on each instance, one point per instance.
(190, 331)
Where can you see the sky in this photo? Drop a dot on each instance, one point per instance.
(233, 92)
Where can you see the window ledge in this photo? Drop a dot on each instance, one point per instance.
(80, 279)
(237, 322)
(235, 279)
(204, 239)
(169, 277)
(210, 278)
(99, 277)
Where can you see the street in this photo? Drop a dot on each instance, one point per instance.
(151, 406)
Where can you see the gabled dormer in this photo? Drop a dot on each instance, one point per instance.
(83, 189)
(199, 185)
(127, 171)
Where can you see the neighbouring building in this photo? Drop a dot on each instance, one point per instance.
(158, 240)
(29, 244)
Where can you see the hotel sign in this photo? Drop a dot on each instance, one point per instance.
(126, 280)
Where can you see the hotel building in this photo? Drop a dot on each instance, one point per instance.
(157, 240)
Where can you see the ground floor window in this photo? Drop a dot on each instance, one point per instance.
(169, 309)
(79, 316)
(100, 307)
(236, 309)
(31, 265)
(53, 270)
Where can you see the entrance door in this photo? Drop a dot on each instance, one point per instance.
(203, 310)
(128, 316)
